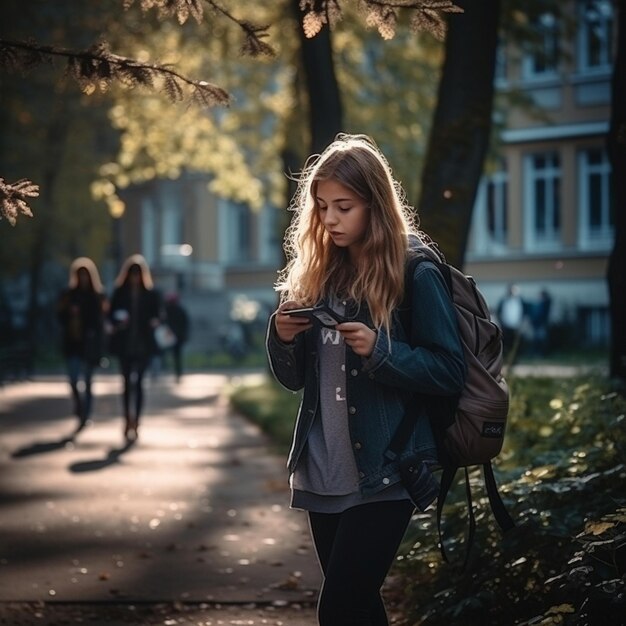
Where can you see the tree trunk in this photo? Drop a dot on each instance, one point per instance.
(53, 148)
(616, 143)
(462, 123)
(325, 112)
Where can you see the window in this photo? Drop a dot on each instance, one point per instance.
(595, 35)
(235, 241)
(543, 200)
(489, 234)
(496, 204)
(543, 59)
(149, 244)
(597, 220)
(501, 69)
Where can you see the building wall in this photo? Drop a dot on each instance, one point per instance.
(570, 117)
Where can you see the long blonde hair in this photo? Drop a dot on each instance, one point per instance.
(316, 267)
(139, 261)
(83, 262)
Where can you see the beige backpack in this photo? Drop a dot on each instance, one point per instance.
(469, 429)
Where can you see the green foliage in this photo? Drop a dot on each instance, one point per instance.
(562, 468)
(270, 406)
(54, 135)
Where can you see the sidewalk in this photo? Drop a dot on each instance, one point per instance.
(191, 524)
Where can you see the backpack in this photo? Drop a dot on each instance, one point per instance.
(469, 429)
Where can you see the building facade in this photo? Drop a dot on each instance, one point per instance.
(544, 219)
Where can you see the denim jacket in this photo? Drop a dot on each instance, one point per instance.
(379, 386)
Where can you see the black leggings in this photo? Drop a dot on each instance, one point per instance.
(356, 549)
(133, 371)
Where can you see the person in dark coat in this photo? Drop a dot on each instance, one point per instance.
(81, 310)
(135, 313)
(178, 320)
(539, 315)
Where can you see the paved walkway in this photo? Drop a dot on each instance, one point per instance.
(190, 524)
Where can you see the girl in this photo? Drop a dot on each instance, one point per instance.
(346, 248)
(135, 313)
(80, 311)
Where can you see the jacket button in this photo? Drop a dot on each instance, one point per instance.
(357, 445)
(354, 372)
(352, 410)
(371, 376)
(385, 481)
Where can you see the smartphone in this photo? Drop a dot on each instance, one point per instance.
(322, 314)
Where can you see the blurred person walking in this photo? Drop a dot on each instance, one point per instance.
(539, 316)
(511, 311)
(135, 313)
(178, 320)
(81, 311)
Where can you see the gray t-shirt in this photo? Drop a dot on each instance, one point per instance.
(326, 479)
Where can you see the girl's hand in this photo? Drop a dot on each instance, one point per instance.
(288, 326)
(358, 336)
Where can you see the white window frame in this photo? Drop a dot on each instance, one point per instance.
(551, 36)
(551, 240)
(605, 24)
(149, 230)
(500, 182)
(483, 242)
(602, 238)
(230, 249)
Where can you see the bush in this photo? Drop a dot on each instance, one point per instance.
(562, 475)
(270, 406)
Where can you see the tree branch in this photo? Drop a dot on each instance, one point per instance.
(98, 67)
(426, 15)
(253, 44)
(13, 199)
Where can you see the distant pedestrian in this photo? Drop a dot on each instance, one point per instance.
(539, 316)
(351, 238)
(511, 311)
(81, 311)
(136, 312)
(177, 319)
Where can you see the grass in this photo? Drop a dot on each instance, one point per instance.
(270, 406)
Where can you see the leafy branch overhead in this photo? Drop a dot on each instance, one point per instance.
(97, 67)
(13, 198)
(425, 15)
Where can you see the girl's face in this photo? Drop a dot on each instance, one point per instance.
(345, 215)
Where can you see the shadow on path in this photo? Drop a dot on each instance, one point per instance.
(112, 457)
(42, 447)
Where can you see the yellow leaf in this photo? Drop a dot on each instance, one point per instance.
(561, 608)
(597, 528)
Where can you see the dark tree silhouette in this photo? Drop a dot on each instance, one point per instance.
(459, 136)
(324, 101)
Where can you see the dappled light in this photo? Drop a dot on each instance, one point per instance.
(195, 510)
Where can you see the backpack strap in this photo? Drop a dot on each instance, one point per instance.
(405, 428)
(505, 521)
